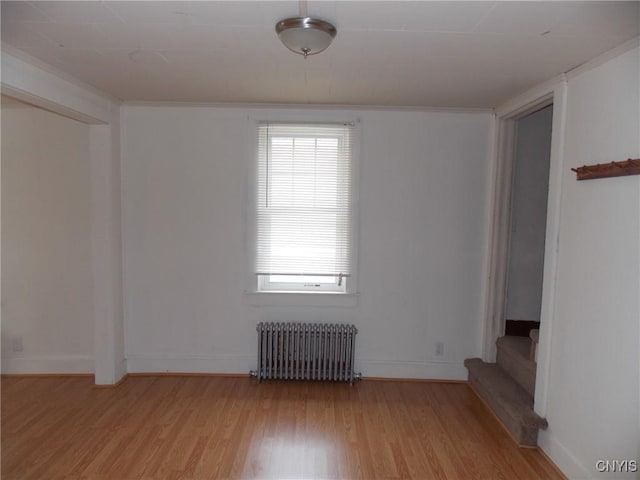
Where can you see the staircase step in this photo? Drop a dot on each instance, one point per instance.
(511, 403)
(514, 357)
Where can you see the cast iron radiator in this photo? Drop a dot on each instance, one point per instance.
(306, 351)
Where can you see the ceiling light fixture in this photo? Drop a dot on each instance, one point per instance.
(305, 35)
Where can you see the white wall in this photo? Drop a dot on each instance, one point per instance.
(593, 392)
(46, 242)
(41, 85)
(529, 216)
(422, 210)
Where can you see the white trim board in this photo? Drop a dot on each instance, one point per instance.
(224, 363)
(515, 106)
(561, 456)
(552, 240)
(47, 67)
(603, 58)
(242, 364)
(539, 90)
(30, 83)
(408, 369)
(306, 106)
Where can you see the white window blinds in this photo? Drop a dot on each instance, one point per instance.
(304, 200)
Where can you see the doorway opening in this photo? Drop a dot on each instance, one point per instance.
(522, 262)
(527, 223)
(516, 271)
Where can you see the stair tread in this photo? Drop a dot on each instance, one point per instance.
(519, 345)
(515, 400)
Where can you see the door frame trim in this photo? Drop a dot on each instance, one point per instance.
(551, 93)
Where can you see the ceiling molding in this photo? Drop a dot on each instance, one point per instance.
(543, 89)
(307, 106)
(605, 57)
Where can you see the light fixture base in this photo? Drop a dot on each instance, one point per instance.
(305, 35)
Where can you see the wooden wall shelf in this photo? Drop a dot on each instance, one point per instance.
(605, 170)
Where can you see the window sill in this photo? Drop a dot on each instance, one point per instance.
(311, 299)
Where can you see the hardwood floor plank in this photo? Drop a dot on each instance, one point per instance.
(201, 427)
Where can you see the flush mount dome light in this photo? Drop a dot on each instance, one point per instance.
(305, 35)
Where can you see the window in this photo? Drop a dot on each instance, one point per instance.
(304, 208)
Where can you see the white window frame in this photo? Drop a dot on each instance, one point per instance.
(257, 284)
(305, 285)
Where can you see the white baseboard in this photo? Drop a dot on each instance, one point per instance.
(62, 364)
(228, 364)
(562, 457)
(242, 364)
(411, 369)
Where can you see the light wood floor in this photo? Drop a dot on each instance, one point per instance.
(223, 428)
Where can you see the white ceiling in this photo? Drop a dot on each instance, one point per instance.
(396, 53)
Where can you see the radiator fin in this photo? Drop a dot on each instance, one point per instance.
(306, 351)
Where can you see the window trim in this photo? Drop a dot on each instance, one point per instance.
(283, 295)
(266, 285)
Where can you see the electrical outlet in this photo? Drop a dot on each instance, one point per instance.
(439, 349)
(16, 344)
